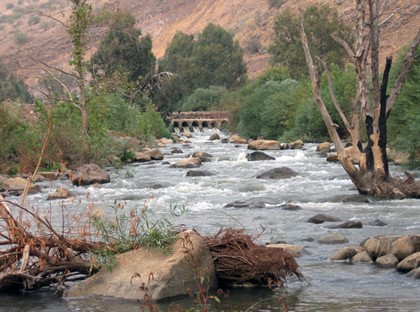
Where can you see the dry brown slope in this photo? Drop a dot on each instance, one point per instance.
(245, 19)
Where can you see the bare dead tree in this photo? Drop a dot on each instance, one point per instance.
(371, 105)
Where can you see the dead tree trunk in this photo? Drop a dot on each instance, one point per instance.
(371, 104)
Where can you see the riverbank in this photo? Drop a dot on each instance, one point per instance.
(319, 187)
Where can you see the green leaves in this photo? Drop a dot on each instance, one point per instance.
(214, 59)
(320, 23)
(404, 119)
(124, 231)
(124, 49)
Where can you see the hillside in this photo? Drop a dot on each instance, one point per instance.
(29, 34)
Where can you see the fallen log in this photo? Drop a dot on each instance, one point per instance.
(238, 260)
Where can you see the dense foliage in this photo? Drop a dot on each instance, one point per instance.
(404, 120)
(214, 59)
(124, 49)
(206, 73)
(320, 22)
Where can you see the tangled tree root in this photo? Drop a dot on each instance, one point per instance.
(31, 260)
(238, 260)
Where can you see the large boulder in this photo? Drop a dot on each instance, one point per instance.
(264, 145)
(90, 174)
(332, 239)
(405, 246)
(141, 157)
(298, 144)
(295, 250)
(324, 147)
(166, 141)
(187, 135)
(414, 273)
(203, 156)
(278, 173)
(17, 185)
(410, 263)
(258, 156)
(214, 137)
(60, 193)
(236, 139)
(166, 275)
(346, 253)
(387, 261)
(187, 163)
(378, 246)
(347, 225)
(199, 173)
(154, 153)
(362, 257)
(321, 218)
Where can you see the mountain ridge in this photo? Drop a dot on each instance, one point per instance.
(250, 21)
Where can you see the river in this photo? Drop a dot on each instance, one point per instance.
(320, 187)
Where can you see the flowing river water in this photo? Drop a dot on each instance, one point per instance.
(320, 187)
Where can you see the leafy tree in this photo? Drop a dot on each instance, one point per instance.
(177, 60)
(320, 22)
(219, 58)
(124, 49)
(80, 19)
(204, 99)
(214, 59)
(269, 110)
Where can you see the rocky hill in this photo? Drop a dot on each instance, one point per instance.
(29, 33)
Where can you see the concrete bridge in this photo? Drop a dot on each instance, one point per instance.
(197, 120)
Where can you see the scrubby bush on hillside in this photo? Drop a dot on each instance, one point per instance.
(276, 3)
(12, 88)
(21, 38)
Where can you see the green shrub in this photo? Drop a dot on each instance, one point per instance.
(276, 3)
(21, 38)
(126, 230)
(253, 45)
(33, 20)
(204, 99)
(269, 110)
(9, 6)
(152, 125)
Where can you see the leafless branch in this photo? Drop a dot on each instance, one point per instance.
(50, 17)
(334, 98)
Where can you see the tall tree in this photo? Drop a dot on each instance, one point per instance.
(214, 59)
(219, 58)
(371, 105)
(320, 23)
(124, 48)
(78, 30)
(177, 60)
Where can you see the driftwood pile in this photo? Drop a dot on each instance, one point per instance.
(238, 260)
(31, 261)
(33, 254)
